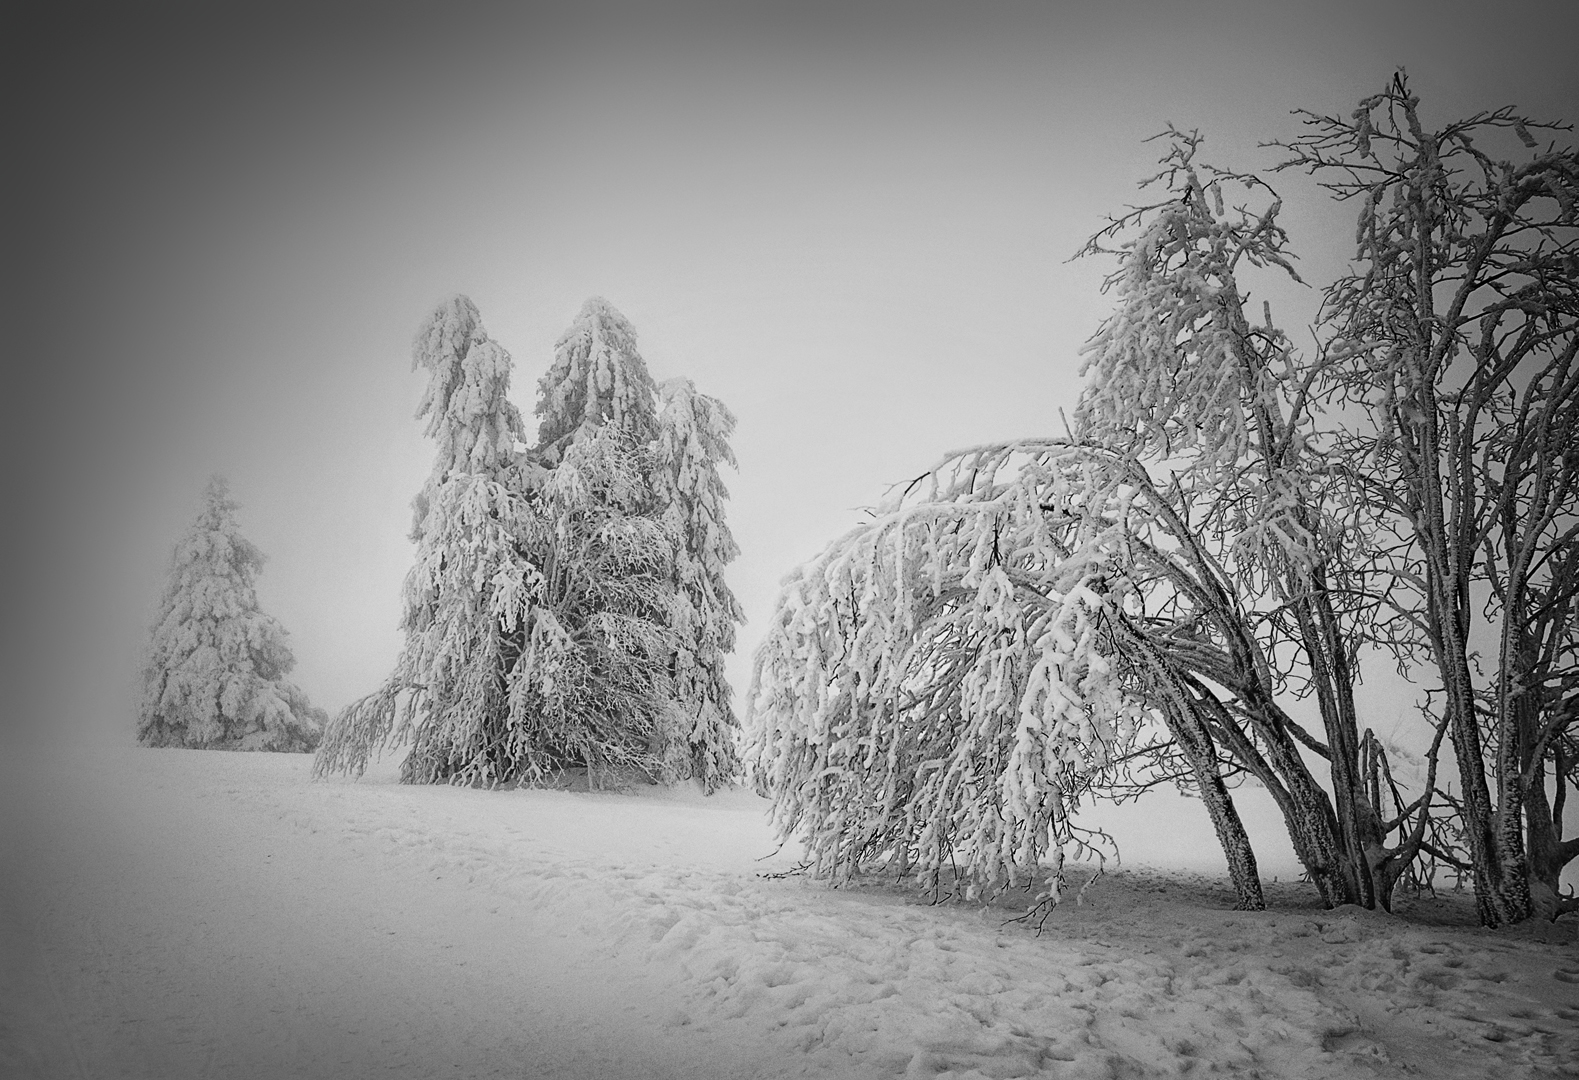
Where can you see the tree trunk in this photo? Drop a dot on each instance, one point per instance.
(1181, 713)
(1307, 811)
(1356, 838)
(1501, 892)
(1235, 841)
(1196, 741)
(1546, 853)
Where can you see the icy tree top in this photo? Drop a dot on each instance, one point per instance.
(597, 377)
(693, 439)
(210, 602)
(214, 567)
(466, 405)
(1178, 370)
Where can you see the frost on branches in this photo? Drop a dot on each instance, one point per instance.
(215, 676)
(446, 691)
(1271, 593)
(940, 686)
(598, 377)
(693, 439)
(1178, 373)
(549, 619)
(1229, 529)
(1454, 343)
(1190, 490)
(645, 555)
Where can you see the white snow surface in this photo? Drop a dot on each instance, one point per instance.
(171, 914)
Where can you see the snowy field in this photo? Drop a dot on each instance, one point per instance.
(172, 914)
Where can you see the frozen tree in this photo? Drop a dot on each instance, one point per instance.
(593, 677)
(598, 377)
(1456, 339)
(544, 621)
(1182, 378)
(598, 396)
(890, 657)
(215, 676)
(468, 589)
(693, 441)
(1194, 496)
(938, 688)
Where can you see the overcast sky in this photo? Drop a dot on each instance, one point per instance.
(848, 221)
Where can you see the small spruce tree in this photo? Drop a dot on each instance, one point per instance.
(215, 676)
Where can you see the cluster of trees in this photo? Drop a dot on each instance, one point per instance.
(1228, 527)
(216, 665)
(567, 608)
(1181, 589)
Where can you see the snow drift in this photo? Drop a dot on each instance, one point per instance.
(188, 914)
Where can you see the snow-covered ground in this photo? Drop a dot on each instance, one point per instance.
(174, 914)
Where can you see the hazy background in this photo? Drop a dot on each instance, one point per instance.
(848, 221)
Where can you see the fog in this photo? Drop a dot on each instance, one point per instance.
(852, 223)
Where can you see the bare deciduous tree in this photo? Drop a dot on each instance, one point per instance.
(1456, 339)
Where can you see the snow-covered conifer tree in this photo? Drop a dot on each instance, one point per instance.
(593, 680)
(693, 434)
(215, 675)
(542, 619)
(469, 586)
(598, 377)
(673, 440)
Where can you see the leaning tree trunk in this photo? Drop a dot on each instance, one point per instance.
(1182, 715)
(1196, 741)
(1308, 816)
(1307, 810)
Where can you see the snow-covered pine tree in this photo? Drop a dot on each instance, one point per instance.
(543, 629)
(593, 680)
(466, 595)
(598, 377)
(215, 675)
(693, 439)
(673, 439)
